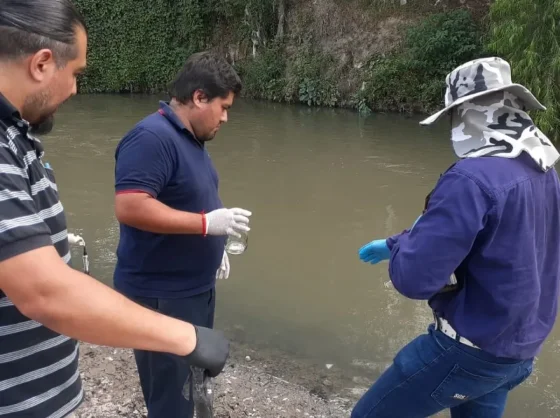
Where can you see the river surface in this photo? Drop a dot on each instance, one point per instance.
(320, 183)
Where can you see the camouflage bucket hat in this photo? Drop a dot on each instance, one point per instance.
(478, 78)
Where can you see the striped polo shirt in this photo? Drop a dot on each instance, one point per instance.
(39, 375)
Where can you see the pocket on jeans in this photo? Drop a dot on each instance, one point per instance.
(461, 386)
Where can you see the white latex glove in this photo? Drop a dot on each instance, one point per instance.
(223, 271)
(227, 222)
(75, 239)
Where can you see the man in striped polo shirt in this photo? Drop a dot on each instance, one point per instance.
(45, 306)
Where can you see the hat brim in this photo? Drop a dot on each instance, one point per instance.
(530, 101)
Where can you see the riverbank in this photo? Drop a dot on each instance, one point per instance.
(248, 387)
(369, 55)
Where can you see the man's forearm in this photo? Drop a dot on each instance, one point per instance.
(75, 305)
(143, 212)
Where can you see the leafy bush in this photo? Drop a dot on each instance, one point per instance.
(310, 80)
(305, 80)
(390, 85)
(443, 41)
(413, 79)
(263, 77)
(527, 34)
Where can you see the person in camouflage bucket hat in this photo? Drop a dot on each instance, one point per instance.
(496, 125)
(488, 114)
(481, 77)
(492, 224)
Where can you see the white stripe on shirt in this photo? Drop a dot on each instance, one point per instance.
(41, 185)
(69, 407)
(29, 158)
(52, 211)
(12, 133)
(29, 351)
(19, 327)
(12, 169)
(61, 236)
(14, 194)
(22, 221)
(39, 399)
(39, 373)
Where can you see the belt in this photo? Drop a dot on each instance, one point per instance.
(446, 328)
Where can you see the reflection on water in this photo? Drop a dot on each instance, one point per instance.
(320, 184)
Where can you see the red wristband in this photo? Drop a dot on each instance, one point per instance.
(203, 224)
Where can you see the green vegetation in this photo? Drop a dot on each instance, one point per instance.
(138, 46)
(263, 77)
(305, 80)
(413, 78)
(527, 34)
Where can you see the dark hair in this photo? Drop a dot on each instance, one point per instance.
(207, 72)
(27, 26)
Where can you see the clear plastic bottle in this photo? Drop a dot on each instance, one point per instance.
(201, 386)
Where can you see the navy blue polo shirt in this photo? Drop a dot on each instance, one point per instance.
(161, 157)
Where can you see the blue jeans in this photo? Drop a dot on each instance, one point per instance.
(434, 372)
(163, 376)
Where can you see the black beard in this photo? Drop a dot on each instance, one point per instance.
(43, 127)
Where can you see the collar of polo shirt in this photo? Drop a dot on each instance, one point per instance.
(7, 110)
(166, 111)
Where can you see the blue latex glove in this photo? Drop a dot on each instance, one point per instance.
(375, 251)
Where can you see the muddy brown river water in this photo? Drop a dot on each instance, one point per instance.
(320, 183)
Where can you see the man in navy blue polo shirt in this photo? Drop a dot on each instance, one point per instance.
(173, 227)
(485, 254)
(45, 304)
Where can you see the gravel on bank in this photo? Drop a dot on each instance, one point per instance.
(246, 388)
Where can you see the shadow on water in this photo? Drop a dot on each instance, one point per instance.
(320, 183)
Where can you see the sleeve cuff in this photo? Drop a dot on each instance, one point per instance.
(392, 240)
(15, 248)
(134, 188)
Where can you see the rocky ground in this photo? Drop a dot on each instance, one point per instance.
(249, 387)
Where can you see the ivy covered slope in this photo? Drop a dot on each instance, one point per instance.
(372, 55)
(138, 45)
(135, 45)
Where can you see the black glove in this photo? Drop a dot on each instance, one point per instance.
(211, 351)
